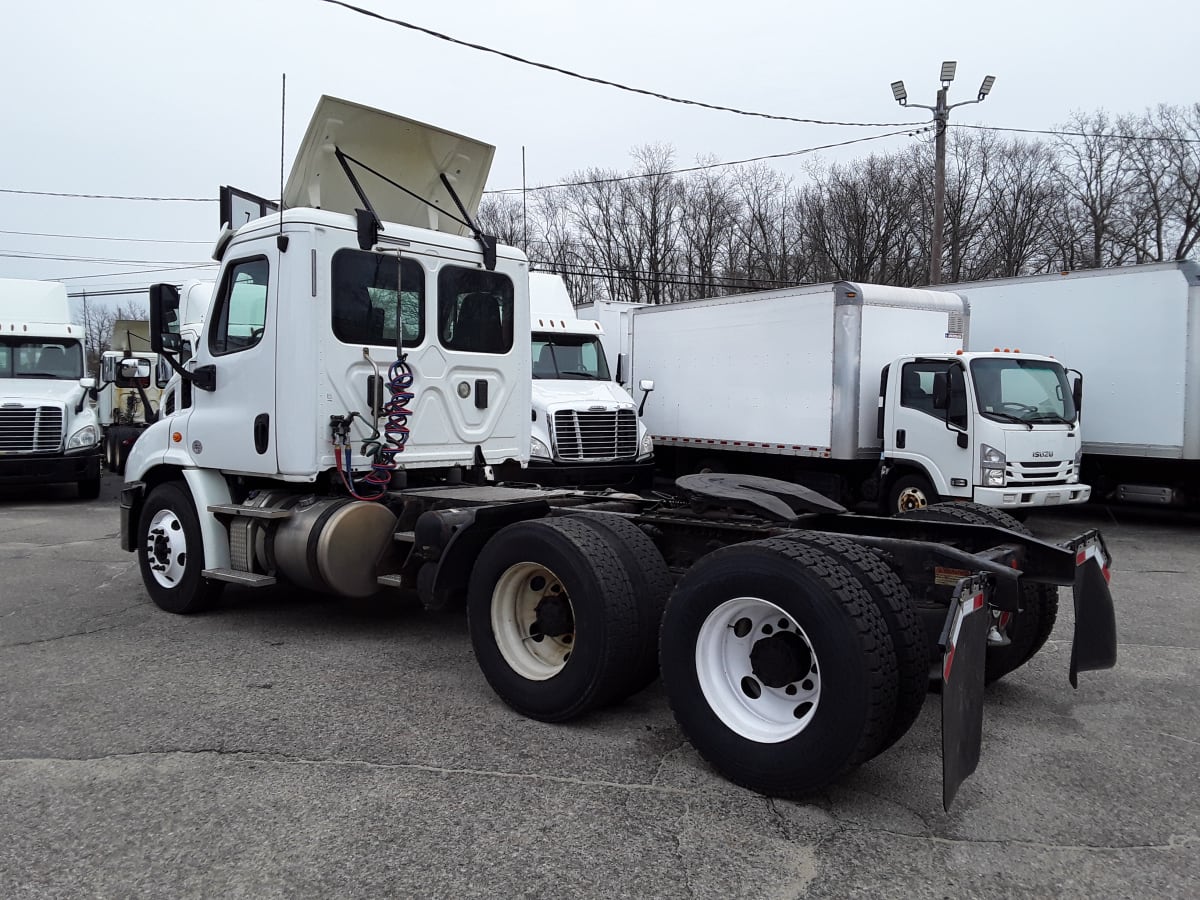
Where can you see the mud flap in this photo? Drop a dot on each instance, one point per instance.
(964, 645)
(1095, 641)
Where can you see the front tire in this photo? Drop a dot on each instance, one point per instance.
(908, 492)
(553, 618)
(171, 552)
(778, 666)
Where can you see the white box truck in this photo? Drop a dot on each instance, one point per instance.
(860, 391)
(48, 428)
(132, 378)
(585, 427)
(791, 652)
(1134, 333)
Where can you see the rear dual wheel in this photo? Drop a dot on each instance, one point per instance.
(779, 666)
(563, 614)
(1028, 629)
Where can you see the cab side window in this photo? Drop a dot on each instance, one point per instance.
(240, 316)
(916, 386)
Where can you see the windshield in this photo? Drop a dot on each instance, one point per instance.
(1022, 389)
(568, 356)
(41, 358)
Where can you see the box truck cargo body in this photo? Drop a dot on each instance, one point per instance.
(1134, 333)
(861, 391)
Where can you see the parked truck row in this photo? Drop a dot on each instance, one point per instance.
(362, 375)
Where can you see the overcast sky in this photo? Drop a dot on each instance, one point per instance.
(172, 98)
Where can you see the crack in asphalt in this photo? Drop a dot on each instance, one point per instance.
(62, 637)
(258, 756)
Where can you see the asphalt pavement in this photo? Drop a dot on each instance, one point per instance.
(290, 745)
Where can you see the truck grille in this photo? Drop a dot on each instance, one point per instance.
(1039, 471)
(31, 429)
(595, 435)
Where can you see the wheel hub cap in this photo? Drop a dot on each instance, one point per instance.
(779, 660)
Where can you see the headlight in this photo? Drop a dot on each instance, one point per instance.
(647, 445)
(991, 466)
(84, 437)
(538, 450)
(1074, 476)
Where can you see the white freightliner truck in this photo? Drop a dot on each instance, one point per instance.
(132, 378)
(48, 428)
(355, 383)
(1134, 333)
(585, 427)
(861, 391)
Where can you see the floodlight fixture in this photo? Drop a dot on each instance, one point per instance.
(899, 92)
(986, 87)
(948, 71)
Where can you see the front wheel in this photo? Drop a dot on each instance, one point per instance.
(778, 666)
(171, 552)
(909, 492)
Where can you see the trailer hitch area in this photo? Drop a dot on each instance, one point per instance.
(964, 646)
(776, 500)
(1095, 641)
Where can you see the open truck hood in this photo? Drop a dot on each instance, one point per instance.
(410, 153)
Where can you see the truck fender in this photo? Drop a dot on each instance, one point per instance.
(456, 537)
(209, 487)
(896, 468)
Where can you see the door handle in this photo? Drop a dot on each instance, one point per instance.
(262, 433)
(900, 437)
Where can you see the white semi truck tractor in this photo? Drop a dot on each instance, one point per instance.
(585, 428)
(362, 372)
(49, 433)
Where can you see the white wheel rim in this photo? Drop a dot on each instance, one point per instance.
(912, 498)
(166, 548)
(515, 600)
(729, 682)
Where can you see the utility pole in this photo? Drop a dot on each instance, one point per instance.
(941, 116)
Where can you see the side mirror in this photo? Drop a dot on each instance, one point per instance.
(1077, 393)
(164, 318)
(647, 386)
(135, 372)
(88, 383)
(622, 365)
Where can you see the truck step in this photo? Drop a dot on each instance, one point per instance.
(246, 579)
(251, 512)
(396, 581)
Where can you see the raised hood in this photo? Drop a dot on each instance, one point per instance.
(409, 153)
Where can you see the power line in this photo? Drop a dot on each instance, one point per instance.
(52, 257)
(605, 82)
(134, 272)
(109, 196)
(698, 168)
(96, 237)
(1085, 134)
(115, 292)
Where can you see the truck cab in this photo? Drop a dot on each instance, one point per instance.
(48, 429)
(586, 429)
(999, 428)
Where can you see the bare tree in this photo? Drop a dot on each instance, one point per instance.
(1096, 174)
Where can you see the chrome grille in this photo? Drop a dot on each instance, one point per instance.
(1039, 471)
(31, 429)
(595, 435)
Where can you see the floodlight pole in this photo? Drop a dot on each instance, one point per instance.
(941, 117)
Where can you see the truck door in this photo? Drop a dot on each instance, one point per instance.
(919, 430)
(232, 427)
